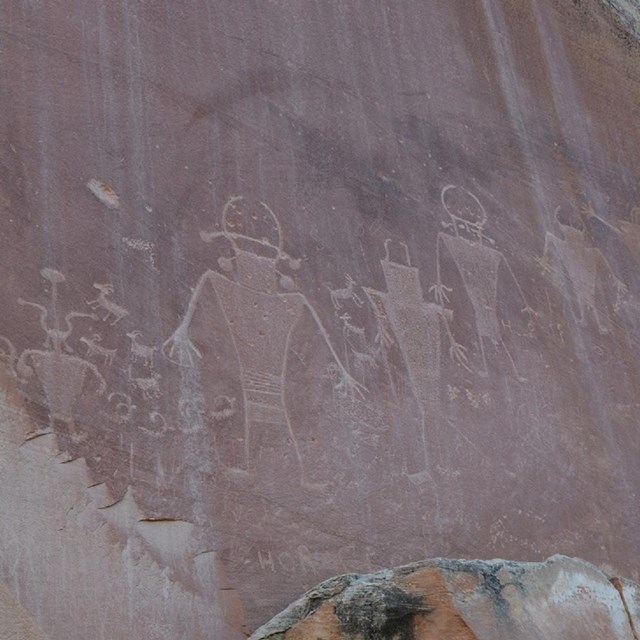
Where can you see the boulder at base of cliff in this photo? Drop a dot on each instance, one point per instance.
(562, 598)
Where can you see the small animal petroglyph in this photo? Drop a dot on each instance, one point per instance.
(103, 192)
(347, 293)
(350, 329)
(141, 351)
(359, 352)
(96, 350)
(102, 302)
(224, 407)
(158, 425)
(124, 407)
(149, 386)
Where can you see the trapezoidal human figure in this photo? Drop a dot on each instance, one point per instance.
(415, 325)
(261, 309)
(478, 266)
(572, 257)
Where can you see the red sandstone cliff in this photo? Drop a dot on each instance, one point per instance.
(294, 288)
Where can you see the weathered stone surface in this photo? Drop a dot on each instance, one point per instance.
(298, 288)
(15, 623)
(55, 531)
(561, 598)
(628, 15)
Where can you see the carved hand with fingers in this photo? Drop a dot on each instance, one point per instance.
(349, 386)
(179, 349)
(440, 293)
(458, 354)
(587, 210)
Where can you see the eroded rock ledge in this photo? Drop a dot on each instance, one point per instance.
(562, 598)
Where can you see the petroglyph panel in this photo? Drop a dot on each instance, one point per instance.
(290, 291)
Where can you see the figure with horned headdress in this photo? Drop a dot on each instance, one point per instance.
(478, 265)
(261, 308)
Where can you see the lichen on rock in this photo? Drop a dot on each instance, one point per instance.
(562, 598)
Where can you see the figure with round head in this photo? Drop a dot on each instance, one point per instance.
(477, 264)
(60, 372)
(255, 236)
(466, 213)
(261, 309)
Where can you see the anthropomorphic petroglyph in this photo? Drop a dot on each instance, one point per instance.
(619, 244)
(581, 263)
(478, 266)
(56, 337)
(95, 350)
(141, 352)
(261, 311)
(103, 302)
(403, 313)
(61, 374)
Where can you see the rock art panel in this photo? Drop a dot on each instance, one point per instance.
(298, 290)
(478, 265)
(260, 319)
(583, 265)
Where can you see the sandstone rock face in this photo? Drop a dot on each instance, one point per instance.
(16, 623)
(628, 15)
(561, 598)
(296, 288)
